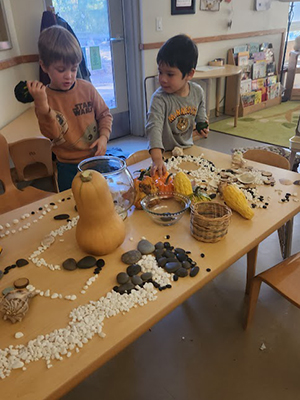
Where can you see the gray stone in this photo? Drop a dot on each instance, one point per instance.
(146, 276)
(1, 274)
(131, 257)
(182, 272)
(136, 280)
(169, 254)
(182, 257)
(145, 247)
(126, 286)
(21, 262)
(69, 264)
(159, 245)
(87, 262)
(172, 266)
(186, 264)
(122, 278)
(194, 271)
(133, 269)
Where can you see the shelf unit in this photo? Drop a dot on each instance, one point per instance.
(229, 97)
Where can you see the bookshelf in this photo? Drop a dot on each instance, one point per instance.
(255, 94)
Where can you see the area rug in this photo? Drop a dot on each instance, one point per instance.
(274, 125)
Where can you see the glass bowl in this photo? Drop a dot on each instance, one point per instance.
(165, 208)
(118, 178)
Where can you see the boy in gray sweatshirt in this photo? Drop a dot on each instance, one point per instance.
(178, 104)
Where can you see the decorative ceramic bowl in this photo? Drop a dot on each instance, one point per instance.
(118, 178)
(165, 208)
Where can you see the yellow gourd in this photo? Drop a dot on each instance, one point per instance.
(182, 184)
(235, 199)
(100, 230)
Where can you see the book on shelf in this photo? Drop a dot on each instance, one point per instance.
(259, 56)
(246, 72)
(246, 86)
(264, 93)
(241, 48)
(259, 69)
(258, 83)
(274, 91)
(271, 68)
(248, 99)
(271, 80)
(269, 54)
(253, 48)
(243, 58)
(257, 97)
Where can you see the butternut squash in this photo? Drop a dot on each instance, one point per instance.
(100, 230)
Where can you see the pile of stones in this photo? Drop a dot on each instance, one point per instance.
(175, 261)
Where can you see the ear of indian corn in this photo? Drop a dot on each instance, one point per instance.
(236, 200)
(182, 184)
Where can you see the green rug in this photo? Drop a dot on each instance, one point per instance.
(274, 125)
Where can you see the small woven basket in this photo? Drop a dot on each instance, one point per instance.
(209, 221)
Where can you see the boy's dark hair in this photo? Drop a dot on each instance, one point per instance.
(180, 52)
(58, 44)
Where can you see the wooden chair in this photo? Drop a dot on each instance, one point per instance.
(267, 157)
(138, 156)
(285, 231)
(12, 197)
(32, 158)
(283, 277)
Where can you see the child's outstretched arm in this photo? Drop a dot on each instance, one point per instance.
(158, 164)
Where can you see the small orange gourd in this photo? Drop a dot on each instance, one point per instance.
(100, 230)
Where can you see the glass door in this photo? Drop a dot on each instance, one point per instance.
(98, 25)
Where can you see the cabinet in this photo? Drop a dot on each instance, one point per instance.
(229, 97)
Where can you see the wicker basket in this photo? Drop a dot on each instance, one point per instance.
(209, 221)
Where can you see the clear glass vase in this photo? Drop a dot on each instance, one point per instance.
(118, 177)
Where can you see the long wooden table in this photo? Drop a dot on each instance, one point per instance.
(45, 314)
(219, 73)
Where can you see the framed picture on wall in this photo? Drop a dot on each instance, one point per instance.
(210, 5)
(182, 7)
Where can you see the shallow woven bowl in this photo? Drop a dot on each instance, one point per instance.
(209, 221)
(165, 208)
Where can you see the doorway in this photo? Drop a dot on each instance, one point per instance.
(99, 27)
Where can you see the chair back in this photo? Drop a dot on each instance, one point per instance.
(267, 157)
(151, 83)
(5, 175)
(32, 158)
(138, 156)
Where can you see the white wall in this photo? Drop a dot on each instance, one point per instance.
(24, 19)
(206, 23)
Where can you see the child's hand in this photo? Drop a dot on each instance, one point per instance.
(159, 167)
(204, 133)
(101, 145)
(38, 92)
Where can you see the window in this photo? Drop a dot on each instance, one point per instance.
(90, 22)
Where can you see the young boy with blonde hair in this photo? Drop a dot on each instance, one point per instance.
(178, 104)
(70, 111)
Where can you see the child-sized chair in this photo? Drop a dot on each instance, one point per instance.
(138, 156)
(267, 157)
(12, 197)
(32, 158)
(283, 277)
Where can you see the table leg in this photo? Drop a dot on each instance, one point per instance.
(251, 266)
(237, 97)
(218, 95)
